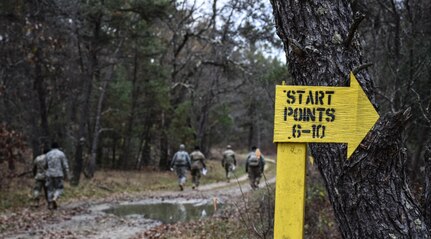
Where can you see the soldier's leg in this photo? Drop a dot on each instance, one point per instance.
(258, 177)
(178, 172)
(37, 190)
(45, 191)
(194, 177)
(252, 176)
(50, 191)
(59, 188)
(181, 172)
(198, 177)
(226, 168)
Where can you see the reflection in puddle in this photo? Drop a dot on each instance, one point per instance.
(165, 212)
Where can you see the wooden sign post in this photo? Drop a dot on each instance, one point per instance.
(312, 114)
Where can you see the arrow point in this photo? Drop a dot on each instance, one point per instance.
(366, 117)
(350, 150)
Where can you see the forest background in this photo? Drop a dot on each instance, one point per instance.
(120, 84)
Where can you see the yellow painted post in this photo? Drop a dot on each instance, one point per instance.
(290, 191)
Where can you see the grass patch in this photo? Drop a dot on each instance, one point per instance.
(244, 217)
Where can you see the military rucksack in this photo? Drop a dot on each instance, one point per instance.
(253, 160)
(195, 158)
(181, 159)
(229, 157)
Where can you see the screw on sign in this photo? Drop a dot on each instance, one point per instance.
(312, 114)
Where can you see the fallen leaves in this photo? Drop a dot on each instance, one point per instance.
(33, 221)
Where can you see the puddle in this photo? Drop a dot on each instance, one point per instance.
(164, 212)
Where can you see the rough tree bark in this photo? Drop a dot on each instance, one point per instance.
(427, 190)
(368, 192)
(90, 74)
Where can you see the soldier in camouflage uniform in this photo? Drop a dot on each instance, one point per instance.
(39, 170)
(181, 162)
(58, 168)
(254, 166)
(228, 161)
(198, 163)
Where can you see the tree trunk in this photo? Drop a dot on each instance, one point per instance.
(164, 144)
(92, 163)
(251, 125)
(94, 145)
(131, 119)
(41, 95)
(368, 192)
(427, 190)
(89, 74)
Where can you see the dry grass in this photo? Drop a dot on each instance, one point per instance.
(239, 219)
(16, 192)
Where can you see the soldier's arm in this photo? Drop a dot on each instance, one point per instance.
(173, 160)
(65, 165)
(34, 168)
(246, 165)
(189, 163)
(203, 161)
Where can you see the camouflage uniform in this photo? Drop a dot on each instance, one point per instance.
(58, 167)
(198, 163)
(254, 171)
(228, 161)
(181, 162)
(39, 172)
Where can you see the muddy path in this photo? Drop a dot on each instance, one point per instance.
(88, 219)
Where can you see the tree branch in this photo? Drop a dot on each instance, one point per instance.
(361, 67)
(356, 21)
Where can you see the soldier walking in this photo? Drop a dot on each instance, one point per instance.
(254, 166)
(58, 168)
(198, 163)
(229, 162)
(39, 172)
(181, 162)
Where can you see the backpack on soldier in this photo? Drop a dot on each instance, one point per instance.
(229, 157)
(181, 159)
(253, 160)
(196, 160)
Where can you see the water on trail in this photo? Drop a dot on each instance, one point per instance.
(165, 212)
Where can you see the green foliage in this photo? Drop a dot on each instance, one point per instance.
(180, 130)
(319, 216)
(276, 72)
(221, 114)
(151, 45)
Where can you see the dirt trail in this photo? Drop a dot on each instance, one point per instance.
(88, 220)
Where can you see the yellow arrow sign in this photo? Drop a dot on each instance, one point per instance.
(312, 114)
(323, 114)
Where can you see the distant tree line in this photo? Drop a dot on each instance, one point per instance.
(120, 84)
